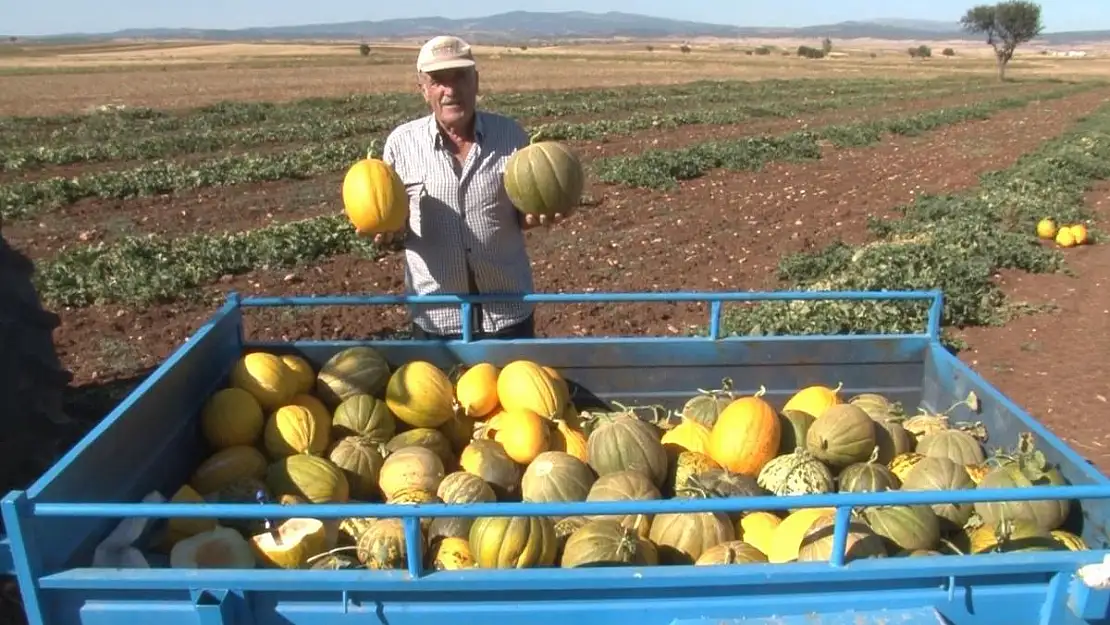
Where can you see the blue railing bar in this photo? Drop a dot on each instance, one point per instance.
(936, 311)
(714, 320)
(589, 298)
(840, 535)
(576, 508)
(662, 578)
(414, 542)
(608, 340)
(467, 322)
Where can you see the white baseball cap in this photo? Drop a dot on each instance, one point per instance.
(444, 52)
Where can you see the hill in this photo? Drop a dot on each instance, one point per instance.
(518, 26)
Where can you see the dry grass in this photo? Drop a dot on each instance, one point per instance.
(166, 74)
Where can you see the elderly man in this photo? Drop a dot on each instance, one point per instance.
(464, 235)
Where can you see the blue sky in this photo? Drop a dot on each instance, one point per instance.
(42, 17)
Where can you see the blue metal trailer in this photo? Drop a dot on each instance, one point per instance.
(151, 442)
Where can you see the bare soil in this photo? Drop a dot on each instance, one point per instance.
(1045, 361)
(248, 206)
(726, 230)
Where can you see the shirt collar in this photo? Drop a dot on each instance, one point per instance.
(437, 136)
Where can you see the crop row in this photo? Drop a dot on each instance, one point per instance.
(662, 169)
(24, 199)
(150, 269)
(112, 123)
(318, 129)
(955, 243)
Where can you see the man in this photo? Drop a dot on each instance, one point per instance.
(464, 235)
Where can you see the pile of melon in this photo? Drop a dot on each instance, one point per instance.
(358, 430)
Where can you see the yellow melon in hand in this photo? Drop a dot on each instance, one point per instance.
(374, 197)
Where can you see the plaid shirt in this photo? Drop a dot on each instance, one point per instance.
(464, 235)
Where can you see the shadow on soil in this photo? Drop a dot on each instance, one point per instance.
(25, 455)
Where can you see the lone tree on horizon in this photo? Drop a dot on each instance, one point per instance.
(1007, 25)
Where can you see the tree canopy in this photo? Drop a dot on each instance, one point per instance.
(1006, 25)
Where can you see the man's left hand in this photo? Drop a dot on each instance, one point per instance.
(531, 221)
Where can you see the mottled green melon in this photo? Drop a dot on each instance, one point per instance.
(361, 463)
(942, 474)
(798, 473)
(312, 477)
(544, 178)
(869, 477)
(365, 416)
(842, 436)
(908, 528)
(352, 371)
(958, 446)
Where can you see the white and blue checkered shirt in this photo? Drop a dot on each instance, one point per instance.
(464, 235)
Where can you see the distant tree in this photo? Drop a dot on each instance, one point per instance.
(1006, 25)
(364, 49)
(808, 52)
(651, 48)
(948, 52)
(921, 52)
(763, 50)
(826, 46)
(685, 49)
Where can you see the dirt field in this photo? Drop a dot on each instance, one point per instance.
(175, 75)
(784, 207)
(110, 208)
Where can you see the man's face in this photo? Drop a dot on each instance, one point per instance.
(452, 94)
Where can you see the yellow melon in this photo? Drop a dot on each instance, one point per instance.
(304, 377)
(266, 377)
(231, 416)
(420, 394)
(476, 390)
(294, 430)
(525, 385)
(227, 466)
(374, 198)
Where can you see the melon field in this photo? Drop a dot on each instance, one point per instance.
(145, 182)
(140, 219)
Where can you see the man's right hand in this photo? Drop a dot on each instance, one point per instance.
(389, 240)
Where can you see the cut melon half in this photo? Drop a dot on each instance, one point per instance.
(218, 548)
(291, 543)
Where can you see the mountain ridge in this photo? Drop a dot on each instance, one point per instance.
(530, 26)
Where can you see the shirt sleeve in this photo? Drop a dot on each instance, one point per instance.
(389, 150)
